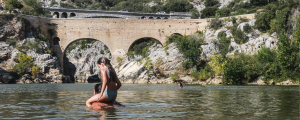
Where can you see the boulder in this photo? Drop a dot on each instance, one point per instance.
(186, 79)
(215, 81)
(25, 79)
(5, 78)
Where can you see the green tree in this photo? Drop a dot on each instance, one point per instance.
(12, 4)
(195, 14)
(191, 49)
(209, 12)
(37, 6)
(210, 3)
(28, 10)
(178, 6)
(25, 64)
(223, 12)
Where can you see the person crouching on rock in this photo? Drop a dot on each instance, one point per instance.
(110, 83)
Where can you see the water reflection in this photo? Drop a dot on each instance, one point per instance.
(67, 101)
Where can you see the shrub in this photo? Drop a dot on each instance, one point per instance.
(178, 6)
(41, 37)
(203, 74)
(48, 51)
(158, 66)
(25, 64)
(210, 3)
(35, 71)
(215, 23)
(12, 4)
(240, 70)
(217, 64)
(190, 47)
(195, 14)
(38, 10)
(175, 76)
(224, 12)
(119, 61)
(6, 17)
(208, 12)
(247, 28)
(233, 19)
(148, 64)
(223, 45)
(239, 36)
(11, 41)
(27, 10)
(260, 2)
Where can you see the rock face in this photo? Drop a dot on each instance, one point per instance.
(256, 41)
(80, 64)
(136, 72)
(5, 76)
(5, 51)
(23, 33)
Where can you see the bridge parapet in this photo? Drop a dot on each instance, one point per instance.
(114, 14)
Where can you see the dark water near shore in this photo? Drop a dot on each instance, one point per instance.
(67, 101)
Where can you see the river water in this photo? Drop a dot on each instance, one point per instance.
(151, 101)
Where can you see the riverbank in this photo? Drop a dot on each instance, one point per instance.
(218, 80)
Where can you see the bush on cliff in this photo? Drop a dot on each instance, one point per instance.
(215, 23)
(12, 4)
(189, 47)
(203, 74)
(178, 6)
(25, 64)
(209, 12)
(276, 16)
(239, 36)
(11, 42)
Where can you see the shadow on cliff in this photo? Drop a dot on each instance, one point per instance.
(7, 77)
(69, 69)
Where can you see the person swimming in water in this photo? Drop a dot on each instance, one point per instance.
(110, 84)
(180, 85)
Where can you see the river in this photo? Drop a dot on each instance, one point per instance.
(151, 101)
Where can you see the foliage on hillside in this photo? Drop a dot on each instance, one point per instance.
(132, 5)
(190, 47)
(275, 17)
(236, 7)
(28, 7)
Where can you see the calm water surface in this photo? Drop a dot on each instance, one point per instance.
(67, 101)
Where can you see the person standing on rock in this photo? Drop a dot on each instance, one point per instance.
(110, 83)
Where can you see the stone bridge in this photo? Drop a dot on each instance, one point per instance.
(80, 13)
(117, 34)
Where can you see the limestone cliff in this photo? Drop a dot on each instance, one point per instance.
(18, 36)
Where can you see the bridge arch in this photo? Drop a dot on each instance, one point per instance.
(72, 14)
(75, 64)
(57, 14)
(174, 34)
(83, 39)
(139, 40)
(64, 15)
